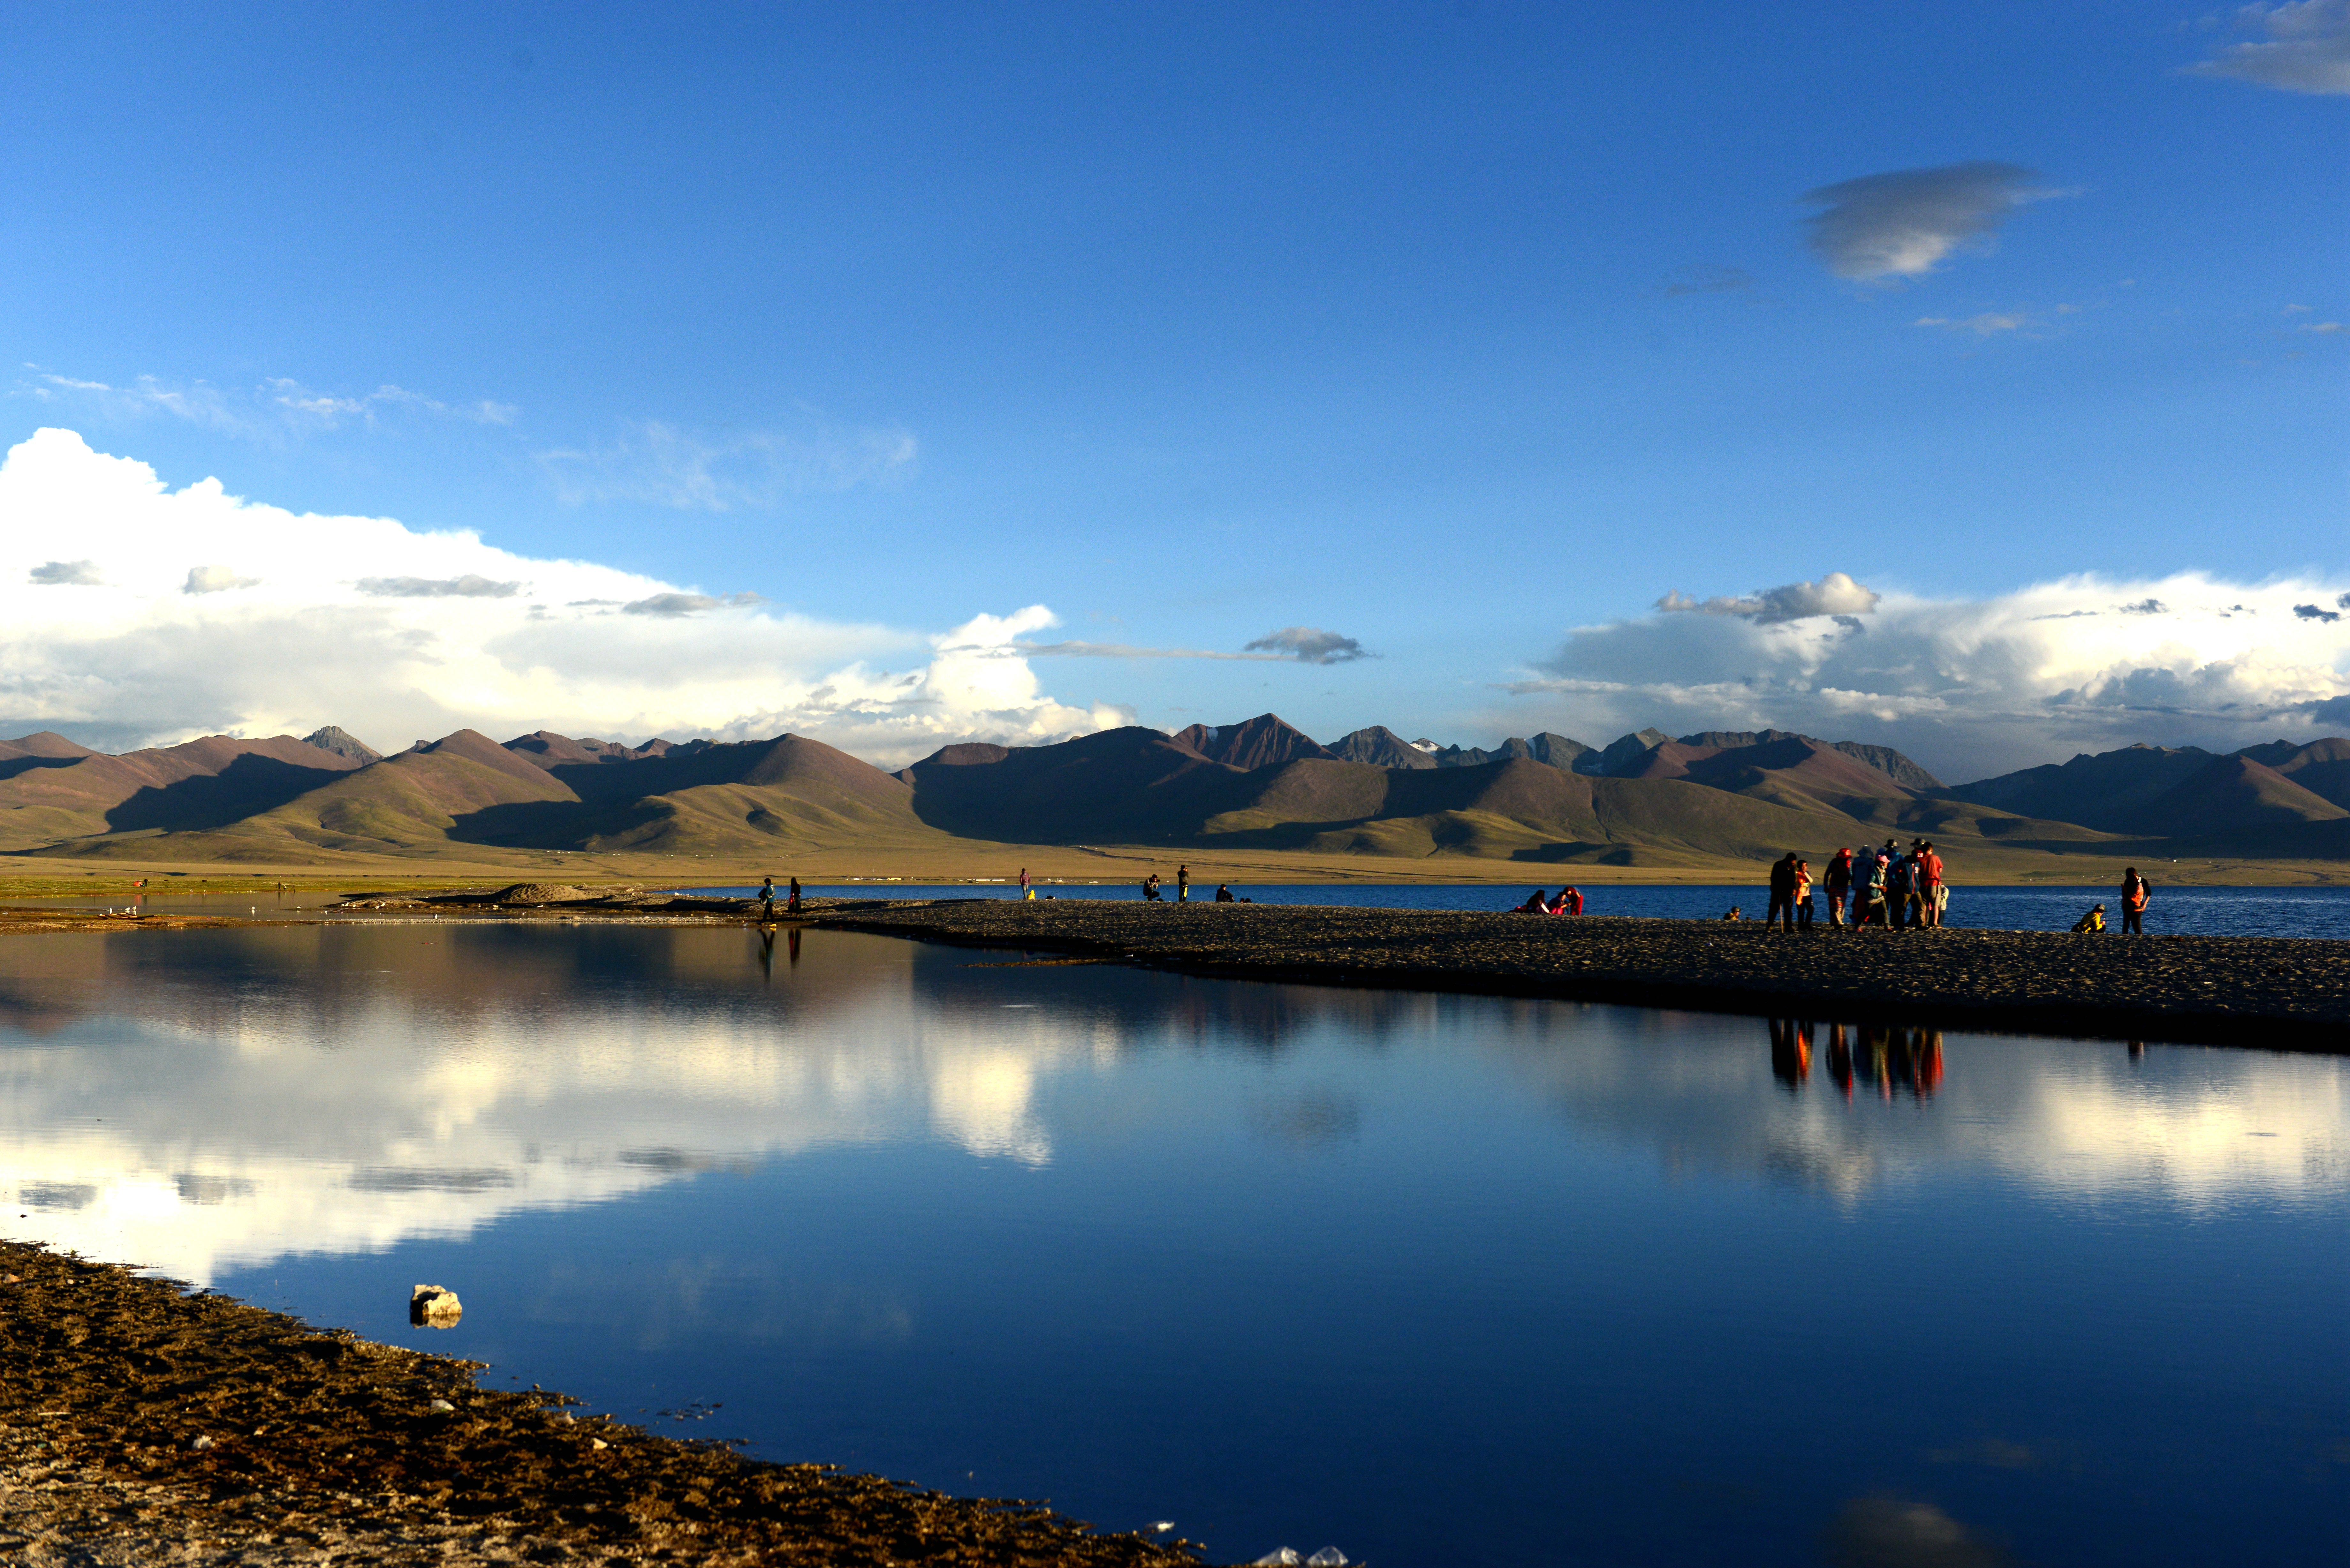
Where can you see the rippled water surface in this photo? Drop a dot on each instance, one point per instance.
(1435, 1280)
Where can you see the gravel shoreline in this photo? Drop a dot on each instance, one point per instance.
(140, 1424)
(2273, 993)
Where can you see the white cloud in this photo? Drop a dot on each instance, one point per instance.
(1971, 686)
(272, 410)
(2308, 49)
(669, 467)
(395, 633)
(215, 580)
(1904, 223)
(1835, 594)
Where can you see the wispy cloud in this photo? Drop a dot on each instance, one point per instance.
(1309, 644)
(1709, 279)
(1990, 323)
(276, 410)
(472, 586)
(667, 466)
(2308, 50)
(687, 604)
(65, 573)
(1905, 222)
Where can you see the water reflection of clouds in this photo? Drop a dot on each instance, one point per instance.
(206, 1101)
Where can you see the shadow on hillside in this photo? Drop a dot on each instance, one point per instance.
(249, 785)
(550, 823)
(12, 766)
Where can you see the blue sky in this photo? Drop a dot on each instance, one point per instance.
(1464, 331)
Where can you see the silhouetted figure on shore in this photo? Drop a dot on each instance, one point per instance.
(766, 900)
(1537, 905)
(1150, 888)
(1182, 884)
(793, 907)
(2136, 891)
(1223, 893)
(1781, 911)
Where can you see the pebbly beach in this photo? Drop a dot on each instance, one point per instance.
(2280, 993)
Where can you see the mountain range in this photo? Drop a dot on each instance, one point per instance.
(1645, 799)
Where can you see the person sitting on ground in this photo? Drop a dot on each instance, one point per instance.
(2136, 891)
(1537, 905)
(1150, 888)
(1570, 902)
(1736, 913)
(1223, 893)
(2095, 921)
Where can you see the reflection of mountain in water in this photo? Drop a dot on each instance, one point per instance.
(214, 1099)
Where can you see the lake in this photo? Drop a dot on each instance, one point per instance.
(2184, 912)
(1435, 1280)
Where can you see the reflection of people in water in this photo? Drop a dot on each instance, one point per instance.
(792, 946)
(768, 953)
(1889, 1058)
(793, 907)
(1791, 1051)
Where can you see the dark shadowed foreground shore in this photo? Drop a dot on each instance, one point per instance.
(141, 1425)
(2234, 990)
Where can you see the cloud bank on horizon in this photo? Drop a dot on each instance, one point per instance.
(1972, 687)
(131, 614)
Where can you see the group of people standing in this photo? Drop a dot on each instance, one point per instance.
(1898, 890)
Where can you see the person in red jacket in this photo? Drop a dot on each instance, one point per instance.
(1929, 884)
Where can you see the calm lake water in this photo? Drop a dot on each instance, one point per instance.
(2186, 911)
(1434, 1280)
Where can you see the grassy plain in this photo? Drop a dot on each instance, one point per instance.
(991, 864)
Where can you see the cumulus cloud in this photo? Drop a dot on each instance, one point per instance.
(1309, 645)
(1905, 222)
(2308, 49)
(1833, 595)
(669, 467)
(393, 632)
(215, 580)
(1969, 687)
